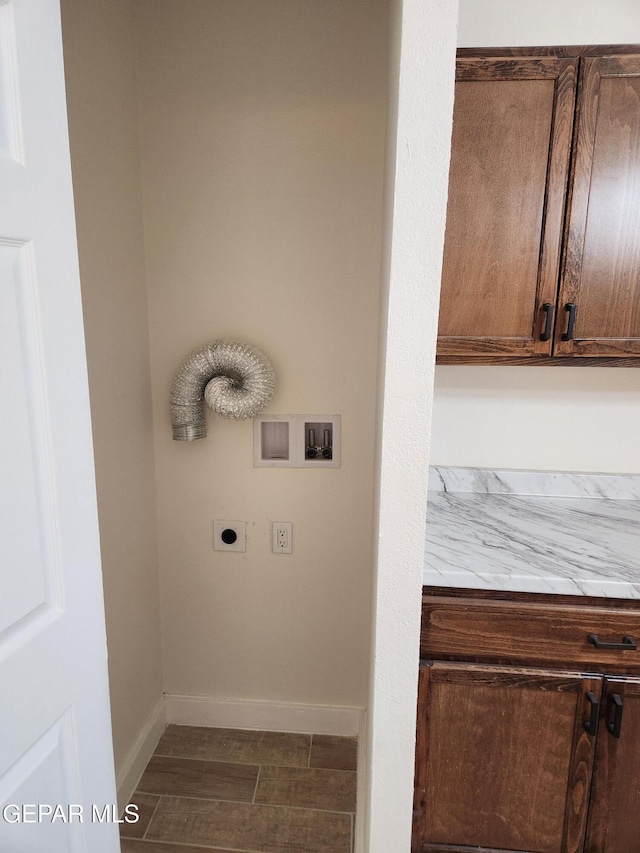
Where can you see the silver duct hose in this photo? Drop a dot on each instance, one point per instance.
(235, 379)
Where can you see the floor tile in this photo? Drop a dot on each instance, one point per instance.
(146, 804)
(332, 790)
(191, 778)
(239, 745)
(269, 829)
(335, 753)
(129, 845)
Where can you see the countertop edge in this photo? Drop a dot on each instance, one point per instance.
(549, 585)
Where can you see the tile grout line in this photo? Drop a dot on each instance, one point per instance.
(188, 846)
(144, 834)
(264, 763)
(255, 790)
(233, 761)
(246, 803)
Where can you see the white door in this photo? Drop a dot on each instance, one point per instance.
(55, 736)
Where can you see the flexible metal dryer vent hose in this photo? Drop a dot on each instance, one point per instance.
(235, 379)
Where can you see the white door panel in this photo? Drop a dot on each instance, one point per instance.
(23, 499)
(55, 739)
(10, 124)
(41, 777)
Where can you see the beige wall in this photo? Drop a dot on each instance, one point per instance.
(101, 94)
(262, 138)
(574, 419)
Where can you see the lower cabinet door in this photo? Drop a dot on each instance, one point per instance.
(504, 759)
(614, 816)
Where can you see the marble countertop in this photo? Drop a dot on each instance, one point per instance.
(572, 534)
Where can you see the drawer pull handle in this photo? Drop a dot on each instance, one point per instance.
(628, 644)
(548, 320)
(592, 725)
(571, 307)
(616, 726)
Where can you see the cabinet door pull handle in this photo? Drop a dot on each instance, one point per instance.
(628, 644)
(616, 726)
(592, 724)
(548, 320)
(572, 308)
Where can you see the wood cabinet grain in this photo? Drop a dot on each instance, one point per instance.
(509, 160)
(541, 262)
(505, 759)
(601, 271)
(528, 632)
(512, 755)
(614, 817)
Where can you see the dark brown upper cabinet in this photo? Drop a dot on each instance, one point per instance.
(509, 164)
(542, 249)
(601, 270)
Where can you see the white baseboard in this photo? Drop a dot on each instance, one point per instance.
(142, 750)
(265, 716)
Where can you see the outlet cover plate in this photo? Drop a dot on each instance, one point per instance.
(282, 532)
(238, 527)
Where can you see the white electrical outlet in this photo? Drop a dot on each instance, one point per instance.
(282, 537)
(229, 535)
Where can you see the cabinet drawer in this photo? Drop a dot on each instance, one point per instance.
(509, 632)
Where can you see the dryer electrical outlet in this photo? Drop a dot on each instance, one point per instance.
(229, 535)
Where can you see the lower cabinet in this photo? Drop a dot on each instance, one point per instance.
(504, 758)
(614, 813)
(526, 758)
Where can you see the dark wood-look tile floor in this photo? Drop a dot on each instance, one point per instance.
(236, 791)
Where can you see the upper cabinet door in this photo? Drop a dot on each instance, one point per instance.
(601, 270)
(511, 142)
